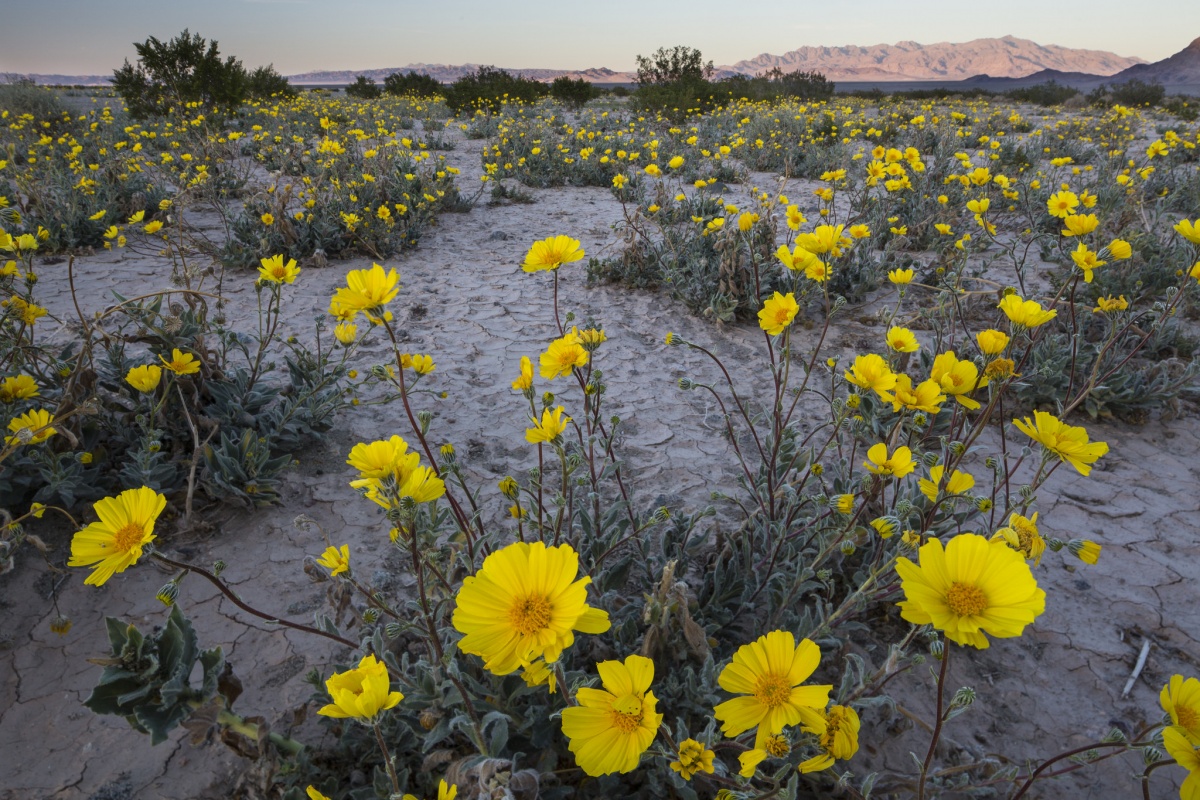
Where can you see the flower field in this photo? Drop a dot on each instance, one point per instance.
(358, 449)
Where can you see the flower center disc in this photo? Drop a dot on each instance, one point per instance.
(772, 690)
(966, 600)
(1188, 717)
(627, 713)
(530, 615)
(128, 537)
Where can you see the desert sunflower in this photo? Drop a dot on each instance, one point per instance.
(552, 253)
(1181, 700)
(115, 542)
(970, 587)
(1068, 442)
(360, 693)
(611, 727)
(525, 603)
(767, 673)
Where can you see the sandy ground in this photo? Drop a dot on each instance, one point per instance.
(1056, 687)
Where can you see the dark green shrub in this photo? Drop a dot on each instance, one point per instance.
(411, 83)
(1130, 93)
(1050, 93)
(678, 65)
(363, 88)
(169, 75)
(573, 91)
(490, 88)
(265, 82)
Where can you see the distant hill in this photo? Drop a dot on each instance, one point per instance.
(1007, 57)
(1181, 68)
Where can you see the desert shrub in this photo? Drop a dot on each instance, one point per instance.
(417, 84)
(158, 391)
(173, 74)
(776, 85)
(1137, 93)
(265, 82)
(1050, 93)
(573, 91)
(489, 89)
(363, 88)
(20, 96)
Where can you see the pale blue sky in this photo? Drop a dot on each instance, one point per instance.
(93, 36)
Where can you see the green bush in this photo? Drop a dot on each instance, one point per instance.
(1130, 93)
(417, 84)
(265, 82)
(776, 85)
(1050, 93)
(573, 91)
(489, 88)
(363, 88)
(170, 75)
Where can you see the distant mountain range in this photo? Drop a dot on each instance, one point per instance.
(1008, 57)
(993, 62)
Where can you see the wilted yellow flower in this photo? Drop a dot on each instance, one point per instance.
(32, 427)
(1022, 535)
(1109, 305)
(360, 693)
(144, 378)
(897, 465)
(959, 482)
(1025, 313)
(693, 757)
(1120, 249)
(1068, 442)
(346, 332)
(1085, 550)
(549, 428)
(335, 560)
(992, 342)
(836, 729)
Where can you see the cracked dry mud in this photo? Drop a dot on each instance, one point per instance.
(1057, 687)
